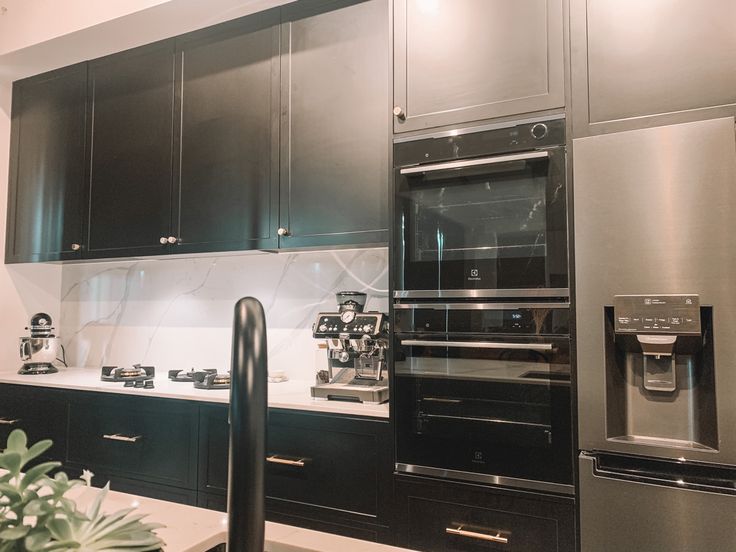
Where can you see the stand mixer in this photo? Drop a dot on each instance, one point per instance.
(40, 350)
(356, 352)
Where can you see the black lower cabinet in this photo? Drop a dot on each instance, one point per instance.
(41, 413)
(441, 516)
(323, 472)
(138, 438)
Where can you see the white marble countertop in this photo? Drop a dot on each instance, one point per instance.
(191, 529)
(293, 394)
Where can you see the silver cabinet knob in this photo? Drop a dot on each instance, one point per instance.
(163, 240)
(282, 232)
(76, 247)
(399, 113)
(172, 239)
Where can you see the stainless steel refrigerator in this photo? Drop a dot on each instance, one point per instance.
(655, 280)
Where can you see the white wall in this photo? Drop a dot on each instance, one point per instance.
(40, 35)
(28, 22)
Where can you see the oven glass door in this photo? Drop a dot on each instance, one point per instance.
(497, 223)
(488, 403)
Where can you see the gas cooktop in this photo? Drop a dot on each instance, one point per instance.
(133, 373)
(202, 379)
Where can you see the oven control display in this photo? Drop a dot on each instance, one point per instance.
(654, 314)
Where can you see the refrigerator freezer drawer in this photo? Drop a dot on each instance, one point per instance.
(618, 515)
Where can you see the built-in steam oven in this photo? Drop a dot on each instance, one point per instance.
(482, 392)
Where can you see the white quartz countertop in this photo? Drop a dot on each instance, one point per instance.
(292, 394)
(191, 529)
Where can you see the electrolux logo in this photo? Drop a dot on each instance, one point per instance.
(474, 275)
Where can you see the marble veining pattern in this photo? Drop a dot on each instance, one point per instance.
(177, 312)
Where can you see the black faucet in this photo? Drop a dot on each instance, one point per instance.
(248, 411)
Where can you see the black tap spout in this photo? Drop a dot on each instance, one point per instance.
(248, 411)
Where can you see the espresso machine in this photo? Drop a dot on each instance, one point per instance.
(40, 350)
(356, 344)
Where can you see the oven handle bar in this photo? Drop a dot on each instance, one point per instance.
(478, 344)
(481, 306)
(476, 162)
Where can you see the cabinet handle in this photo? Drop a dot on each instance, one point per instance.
(460, 532)
(282, 232)
(399, 113)
(5, 421)
(122, 438)
(172, 239)
(76, 247)
(276, 459)
(163, 240)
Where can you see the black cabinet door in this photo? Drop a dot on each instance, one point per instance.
(131, 117)
(439, 516)
(460, 61)
(41, 413)
(46, 202)
(228, 94)
(138, 438)
(335, 123)
(214, 436)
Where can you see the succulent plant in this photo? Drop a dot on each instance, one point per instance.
(37, 515)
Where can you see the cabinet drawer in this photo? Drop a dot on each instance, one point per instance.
(309, 462)
(441, 516)
(144, 439)
(41, 414)
(435, 525)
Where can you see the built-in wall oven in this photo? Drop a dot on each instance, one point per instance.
(482, 392)
(482, 213)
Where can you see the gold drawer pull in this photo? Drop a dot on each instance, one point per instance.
(122, 438)
(5, 421)
(276, 459)
(460, 532)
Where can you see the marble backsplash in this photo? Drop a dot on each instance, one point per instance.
(177, 312)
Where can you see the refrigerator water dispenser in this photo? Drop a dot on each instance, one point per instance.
(660, 382)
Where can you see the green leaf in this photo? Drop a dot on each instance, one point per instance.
(60, 529)
(17, 441)
(37, 472)
(37, 507)
(38, 449)
(11, 493)
(37, 540)
(11, 461)
(15, 533)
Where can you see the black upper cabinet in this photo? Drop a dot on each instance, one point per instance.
(335, 123)
(228, 97)
(46, 201)
(264, 132)
(131, 127)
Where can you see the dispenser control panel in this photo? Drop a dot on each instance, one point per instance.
(655, 314)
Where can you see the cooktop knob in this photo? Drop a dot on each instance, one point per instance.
(322, 327)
